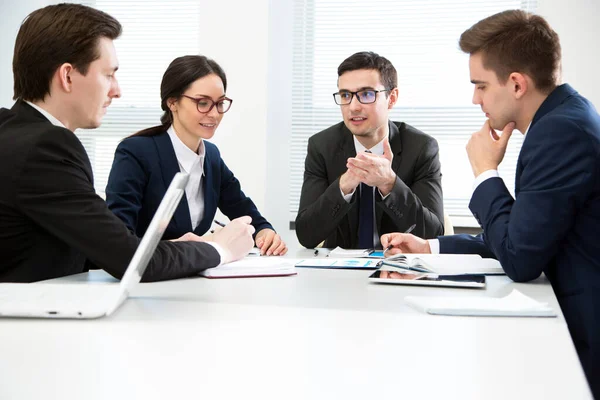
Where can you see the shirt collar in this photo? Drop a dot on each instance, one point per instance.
(186, 157)
(377, 149)
(49, 117)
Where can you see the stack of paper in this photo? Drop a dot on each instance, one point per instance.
(252, 267)
(516, 304)
(331, 263)
(350, 253)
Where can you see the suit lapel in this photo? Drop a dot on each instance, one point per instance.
(208, 191)
(396, 146)
(345, 150)
(169, 167)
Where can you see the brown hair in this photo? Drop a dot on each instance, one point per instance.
(180, 74)
(370, 60)
(52, 36)
(516, 41)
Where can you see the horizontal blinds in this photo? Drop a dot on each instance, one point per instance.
(421, 39)
(154, 33)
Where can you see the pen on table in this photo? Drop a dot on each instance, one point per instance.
(316, 252)
(409, 230)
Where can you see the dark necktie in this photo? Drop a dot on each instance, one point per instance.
(365, 217)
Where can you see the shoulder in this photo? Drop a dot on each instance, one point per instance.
(144, 145)
(330, 136)
(211, 149)
(412, 135)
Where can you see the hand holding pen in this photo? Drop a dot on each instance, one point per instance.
(397, 242)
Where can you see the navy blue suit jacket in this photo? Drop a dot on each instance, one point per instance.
(141, 172)
(553, 224)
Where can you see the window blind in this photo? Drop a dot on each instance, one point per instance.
(420, 37)
(154, 33)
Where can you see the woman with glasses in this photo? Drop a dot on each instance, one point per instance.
(194, 101)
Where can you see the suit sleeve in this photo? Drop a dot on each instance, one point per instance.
(234, 203)
(421, 203)
(126, 184)
(322, 206)
(55, 191)
(558, 174)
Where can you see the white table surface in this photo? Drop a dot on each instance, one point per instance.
(320, 334)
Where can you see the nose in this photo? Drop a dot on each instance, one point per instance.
(354, 103)
(476, 98)
(115, 90)
(213, 112)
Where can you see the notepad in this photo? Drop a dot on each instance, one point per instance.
(329, 263)
(515, 304)
(446, 264)
(252, 267)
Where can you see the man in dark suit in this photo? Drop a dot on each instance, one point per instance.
(51, 220)
(553, 223)
(367, 175)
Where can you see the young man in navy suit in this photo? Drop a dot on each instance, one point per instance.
(553, 223)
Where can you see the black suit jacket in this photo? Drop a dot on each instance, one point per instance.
(52, 221)
(415, 199)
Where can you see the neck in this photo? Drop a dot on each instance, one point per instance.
(530, 106)
(57, 111)
(192, 142)
(370, 140)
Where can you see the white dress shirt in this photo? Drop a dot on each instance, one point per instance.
(191, 163)
(377, 150)
(434, 244)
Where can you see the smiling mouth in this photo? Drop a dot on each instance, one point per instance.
(357, 119)
(208, 125)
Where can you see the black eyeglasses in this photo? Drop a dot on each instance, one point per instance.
(367, 96)
(205, 104)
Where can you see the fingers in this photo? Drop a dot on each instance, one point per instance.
(507, 133)
(387, 150)
(266, 240)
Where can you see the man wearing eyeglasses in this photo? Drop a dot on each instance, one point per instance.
(367, 175)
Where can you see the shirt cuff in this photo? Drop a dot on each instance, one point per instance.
(382, 196)
(434, 246)
(223, 254)
(347, 197)
(484, 176)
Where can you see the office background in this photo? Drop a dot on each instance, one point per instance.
(254, 42)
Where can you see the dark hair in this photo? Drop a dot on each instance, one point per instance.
(181, 73)
(370, 60)
(516, 41)
(52, 36)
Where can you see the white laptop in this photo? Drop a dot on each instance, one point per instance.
(71, 300)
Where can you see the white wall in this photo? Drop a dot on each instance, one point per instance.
(577, 22)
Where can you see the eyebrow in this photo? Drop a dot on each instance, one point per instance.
(476, 82)
(359, 89)
(208, 97)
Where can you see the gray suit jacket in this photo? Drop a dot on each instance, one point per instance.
(415, 199)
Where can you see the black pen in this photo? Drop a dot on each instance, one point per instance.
(409, 230)
(220, 223)
(316, 252)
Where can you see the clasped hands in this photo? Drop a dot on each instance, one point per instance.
(370, 169)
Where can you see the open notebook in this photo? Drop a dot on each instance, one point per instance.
(252, 267)
(446, 264)
(515, 304)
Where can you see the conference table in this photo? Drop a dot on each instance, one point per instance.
(322, 334)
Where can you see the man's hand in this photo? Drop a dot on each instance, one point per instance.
(404, 243)
(270, 243)
(349, 182)
(486, 150)
(374, 170)
(235, 239)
